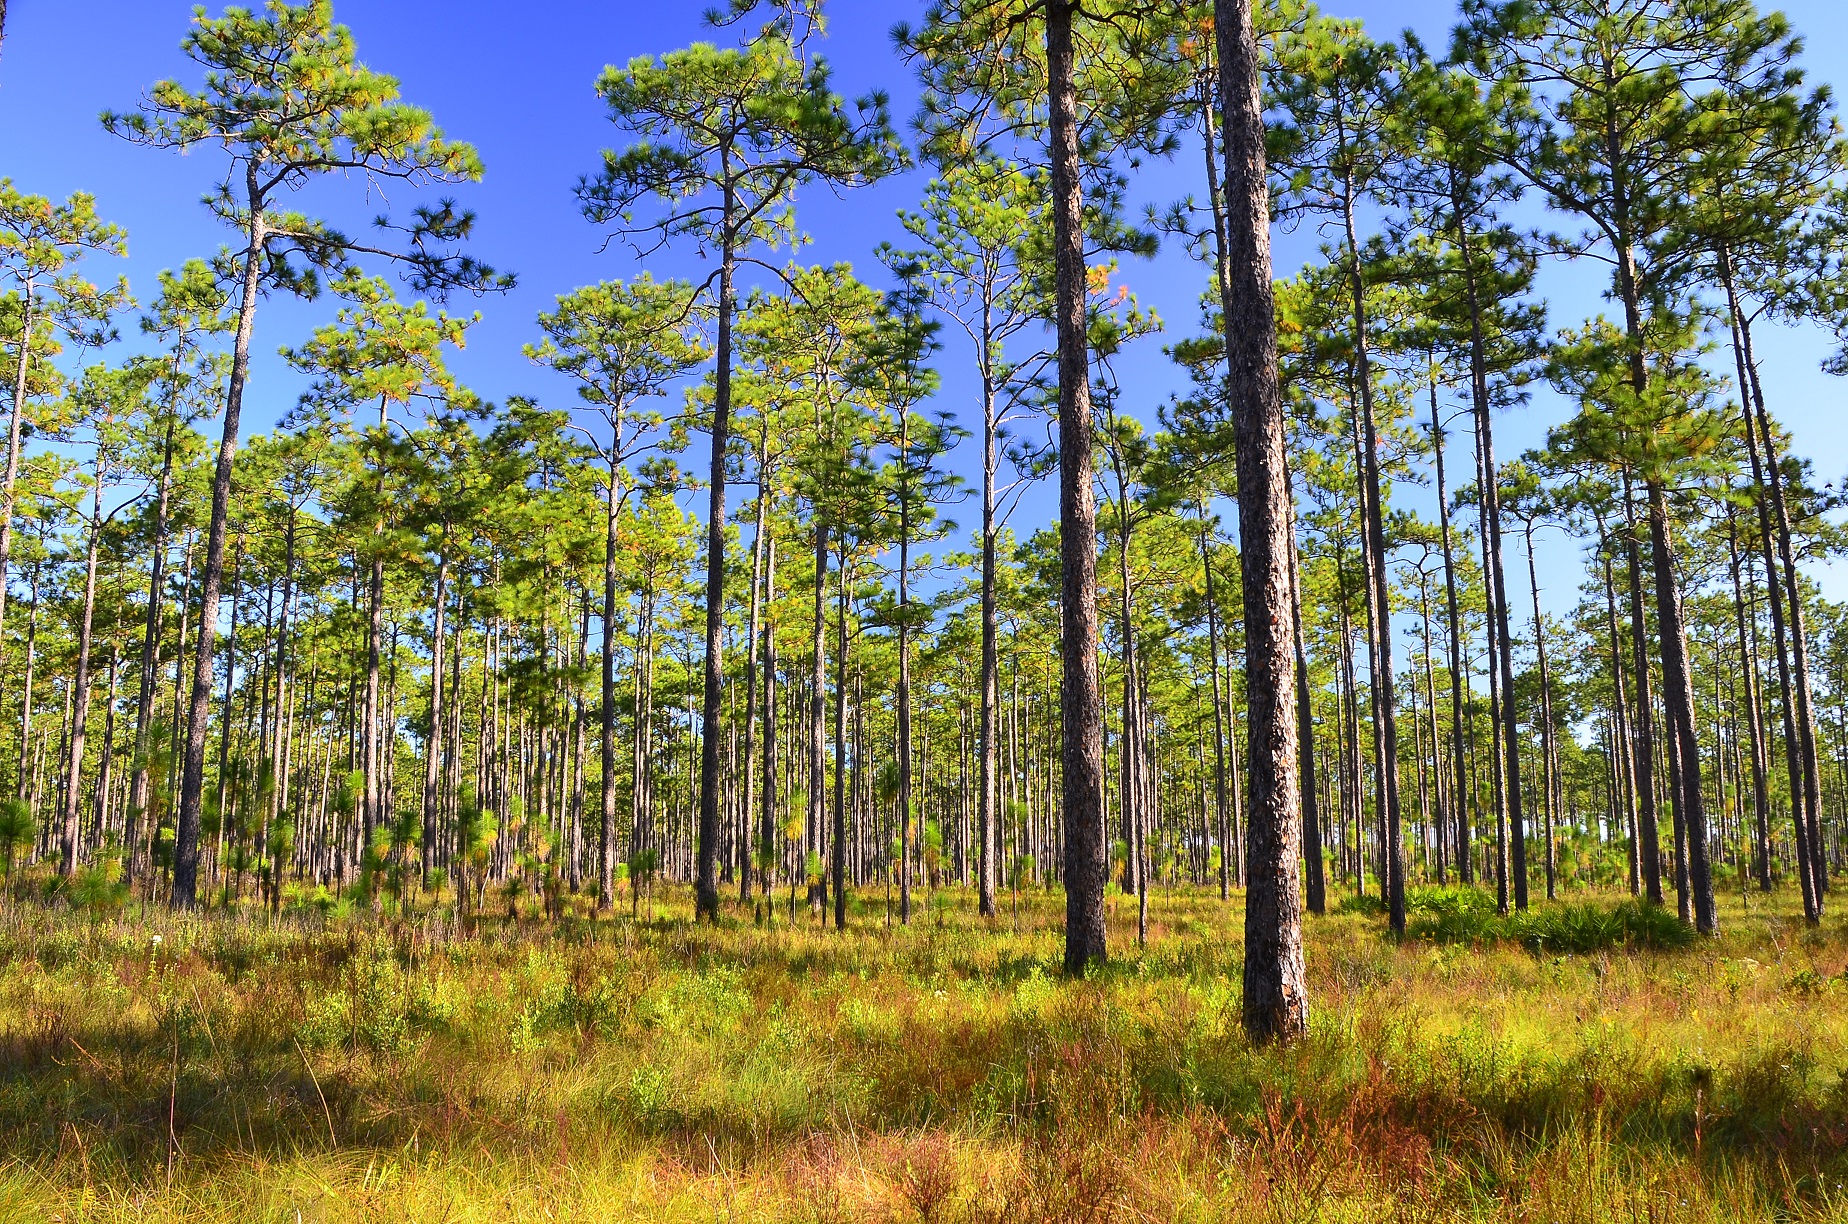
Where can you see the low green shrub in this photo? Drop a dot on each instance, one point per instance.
(1467, 916)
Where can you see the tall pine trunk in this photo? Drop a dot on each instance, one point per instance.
(1379, 593)
(80, 713)
(706, 880)
(1081, 696)
(139, 792)
(198, 711)
(1462, 796)
(1276, 1004)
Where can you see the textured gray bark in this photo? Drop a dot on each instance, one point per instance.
(1276, 1004)
(1081, 695)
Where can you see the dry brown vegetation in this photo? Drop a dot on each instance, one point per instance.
(360, 1068)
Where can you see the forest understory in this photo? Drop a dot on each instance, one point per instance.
(345, 1067)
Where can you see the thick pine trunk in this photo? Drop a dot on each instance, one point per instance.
(1081, 698)
(1276, 1005)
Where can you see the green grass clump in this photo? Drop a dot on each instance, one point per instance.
(237, 1066)
(1459, 914)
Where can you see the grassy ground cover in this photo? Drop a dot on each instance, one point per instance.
(1573, 1066)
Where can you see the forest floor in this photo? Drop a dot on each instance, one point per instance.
(347, 1068)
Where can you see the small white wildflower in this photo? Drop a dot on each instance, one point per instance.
(154, 939)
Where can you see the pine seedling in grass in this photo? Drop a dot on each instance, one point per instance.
(641, 869)
(17, 830)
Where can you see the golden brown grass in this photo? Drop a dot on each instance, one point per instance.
(234, 1068)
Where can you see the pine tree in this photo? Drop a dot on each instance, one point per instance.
(724, 139)
(287, 100)
(622, 344)
(40, 244)
(1276, 1003)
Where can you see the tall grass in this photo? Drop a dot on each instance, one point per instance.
(236, 1067)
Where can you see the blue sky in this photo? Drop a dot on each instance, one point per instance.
(516, 80)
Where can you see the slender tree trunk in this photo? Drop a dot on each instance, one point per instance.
(1276, 1004)
(1643, 724)
(433, 738)
(1221, 825)
(150, 655)
(1508, 754)
(1379, 592)
(1440, 822)
(606, 712)
(15, 428)
(1773, 537)
(371, 751)
(1546, 718)
(192, 777)
(1792, 590)
(839, 848)
(706, 899)
(1678, 686)
(991, 657)
(904, 670)
(1453, 622)
(818, 720)
(749, 772)
(1515, 858)
(24, 783)
(80, 714)
(1748, 668)
(767, 843)
(1315, 881)
(1081, 696)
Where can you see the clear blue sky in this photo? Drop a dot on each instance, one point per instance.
(517, 81)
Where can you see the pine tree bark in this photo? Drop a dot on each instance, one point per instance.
(1081, 695)
(1379, 601)
(1463, 795)
(903, 695)
(1643, 721)
(1276, 1004)
(1315, 883)
(433, 738)
(80, 715)
(748, 774)
(1678, 700)
(138, 789)
(184, 894)
(990, 681)
(706, 880)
